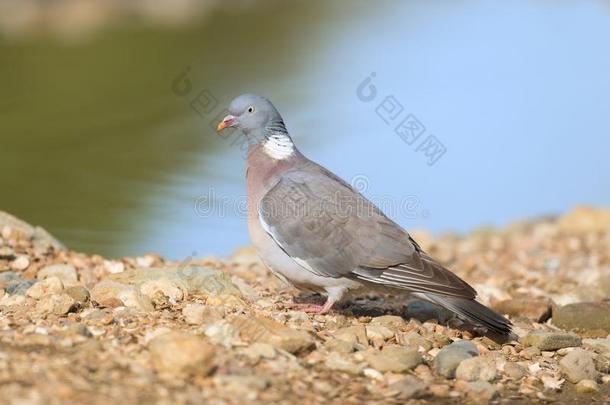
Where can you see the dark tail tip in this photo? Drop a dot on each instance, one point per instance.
(499, 328)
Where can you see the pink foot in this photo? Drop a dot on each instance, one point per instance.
(312, 308)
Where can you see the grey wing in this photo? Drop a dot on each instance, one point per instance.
(331, 230)
(310, 226)
(419, 274)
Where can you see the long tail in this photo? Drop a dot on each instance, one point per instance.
(474, 312)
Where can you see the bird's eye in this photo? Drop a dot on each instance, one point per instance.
(250, 109)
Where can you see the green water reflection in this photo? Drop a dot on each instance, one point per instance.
(91, 132)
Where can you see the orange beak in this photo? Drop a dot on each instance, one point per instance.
(227, 122)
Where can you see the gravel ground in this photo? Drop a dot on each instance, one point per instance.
(83, 329)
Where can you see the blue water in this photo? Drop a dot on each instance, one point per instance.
(515, 94)
(518, 95)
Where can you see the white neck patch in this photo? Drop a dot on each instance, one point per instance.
(278, 146)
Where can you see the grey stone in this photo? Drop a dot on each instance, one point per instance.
(584, 316)
(393, 322)
(597, 345)
(379, 332)
(65, 272)
(54, 304)
(551, 340)
(339, 345)
(529, 353)
(78, 329)
(476, 369)
(340, 362)
(51, 285)
(19, 288)
(602, 363)
(449, 358)
(13, 284)
(9, 276)
(514, 371)
(482, 392)
(415, 339)
(79, 294)
(394, 358)
(579, 365)
(409, 388)
(353, 334)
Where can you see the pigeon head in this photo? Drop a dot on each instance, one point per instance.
(262, 124)
(251, 114)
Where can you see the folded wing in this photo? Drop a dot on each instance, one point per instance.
(334, 231)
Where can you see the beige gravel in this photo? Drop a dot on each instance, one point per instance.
(76, 328)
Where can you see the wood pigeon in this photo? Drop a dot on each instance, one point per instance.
(315, 231)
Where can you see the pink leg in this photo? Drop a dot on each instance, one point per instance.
(314, 308)
(327, 306)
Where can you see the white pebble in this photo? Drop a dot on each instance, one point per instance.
(372, 373)
(20, 263)
(114, 267)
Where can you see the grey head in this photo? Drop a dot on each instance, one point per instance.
(254, 115)
(261, 123)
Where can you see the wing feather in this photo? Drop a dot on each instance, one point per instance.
(333, 231)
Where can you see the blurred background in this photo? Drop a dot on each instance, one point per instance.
(108, 108)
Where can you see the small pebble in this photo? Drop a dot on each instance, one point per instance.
(20, 263)
(587, 386)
